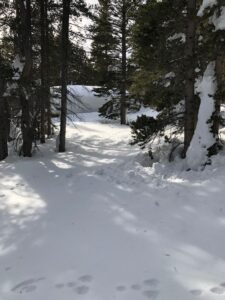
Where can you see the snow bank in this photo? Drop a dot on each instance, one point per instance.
(94, 224)
(205, 5)
(147, 111)
(81, 99)
(203, 138)
(219, 21)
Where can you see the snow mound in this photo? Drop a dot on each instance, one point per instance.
(203, 138)
(219, 21)
(205, 5)
(147, 111)
(81, 99)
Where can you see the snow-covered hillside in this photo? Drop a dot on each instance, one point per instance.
(81, 98)
(96, 224)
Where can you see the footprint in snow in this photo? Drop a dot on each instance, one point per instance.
(153, 282)
(196, 292)
(2, 195)
(71, 284)
(136, 287)
(82, 290)
(151, 294)
(27, 286)
(85, 278)
(218, 290)
(121, 288)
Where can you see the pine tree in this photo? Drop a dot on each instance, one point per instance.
(122, 17)
(191, 105)
(24, 48)
(64, 74)
(44, 65)
(158, 39)
(210, 50)
(4, 109)
(103, 44)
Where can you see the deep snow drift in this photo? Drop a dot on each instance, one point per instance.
(95, 224)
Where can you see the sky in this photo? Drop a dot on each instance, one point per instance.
(85, 21)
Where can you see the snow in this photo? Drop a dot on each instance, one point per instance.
(170, 75)
(143, 111)
(203, 138)
(206, 4)
(81, 98)
(176, 36)
(17, 66)
(219, 21)
(95, 224)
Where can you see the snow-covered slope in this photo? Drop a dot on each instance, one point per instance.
(94, 224)
(81, 98)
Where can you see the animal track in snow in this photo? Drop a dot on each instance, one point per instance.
(196, 292)
(85, 278)
(219, 290)
(71, 284)
(82, 290)
(26, 286)
(121, 288)
(153, 282)
(136, 287)
(59, 285)
(150, 294)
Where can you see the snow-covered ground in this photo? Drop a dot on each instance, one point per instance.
(96, 224)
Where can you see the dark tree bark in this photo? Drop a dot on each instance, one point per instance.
(124, 63)
(45, 95)
(64, 74)
(25, 53)
(43, 69)
(191, 105)
(220, 77)
(4, 123)
(48, 104)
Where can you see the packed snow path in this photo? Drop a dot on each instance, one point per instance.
(95, 224)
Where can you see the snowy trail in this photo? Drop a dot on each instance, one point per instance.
(94, 224)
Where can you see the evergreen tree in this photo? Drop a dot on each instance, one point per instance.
(103, 44)
(24, 55)
(5, 74)
(191, 105)
(158, 39)
(64, 71)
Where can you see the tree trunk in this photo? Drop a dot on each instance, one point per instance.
(43, 69)
(25, 49)
(191, 105)
(4, 123)
(123, 65)
(64, 75)
(220, 77)
(45, 89)
(48, 104)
